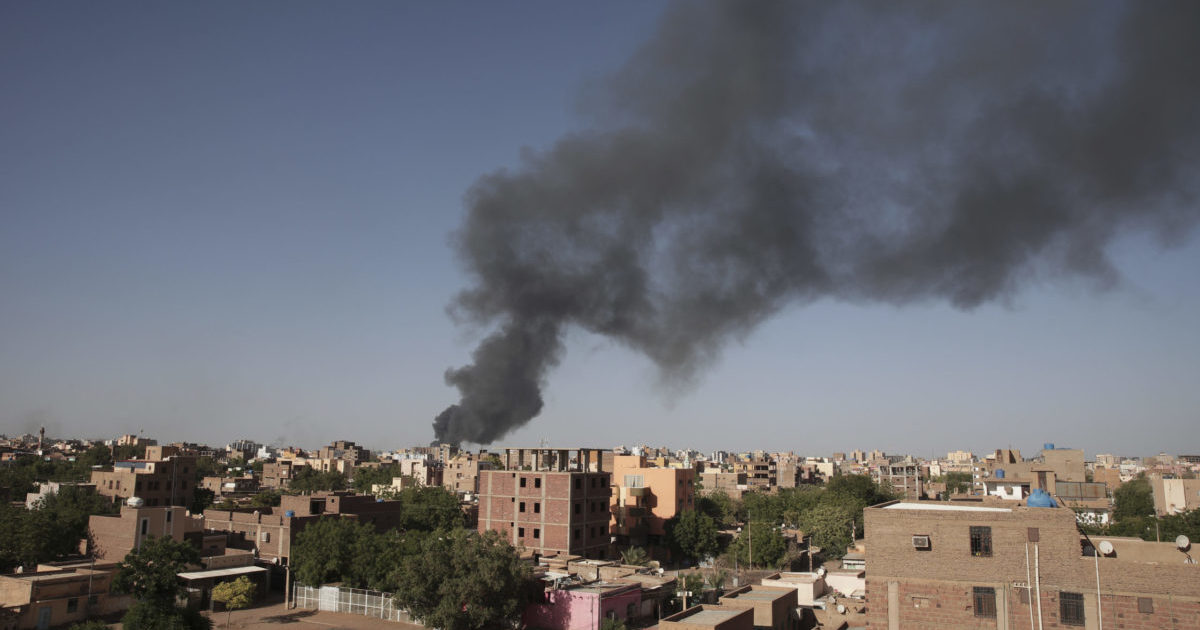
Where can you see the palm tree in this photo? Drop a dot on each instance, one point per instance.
(635, 555)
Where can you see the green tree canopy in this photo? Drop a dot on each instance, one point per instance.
(367, 476)
(720, 507)
(462, 580)
(149, 573)
(634, 556)
(768, 546)
(309, 479)
(829, 525)
(694, 534)
(324, 551)
(1133, 499)
(235, 595)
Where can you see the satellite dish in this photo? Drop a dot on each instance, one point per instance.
(1182, 542)
(1106, 548)
(841, 608)
(821, 571)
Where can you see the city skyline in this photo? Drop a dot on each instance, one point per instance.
(237, 221)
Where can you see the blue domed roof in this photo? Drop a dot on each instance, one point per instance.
(1040, 498)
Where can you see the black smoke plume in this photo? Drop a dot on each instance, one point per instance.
(757, 154)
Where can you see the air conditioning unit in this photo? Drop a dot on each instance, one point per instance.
(920, 542)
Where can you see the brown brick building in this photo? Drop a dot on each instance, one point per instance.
(559, 505)
(947, 566)
(165, 477)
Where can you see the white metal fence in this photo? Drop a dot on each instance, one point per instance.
(355, 601)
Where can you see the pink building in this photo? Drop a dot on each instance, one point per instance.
(582, 607)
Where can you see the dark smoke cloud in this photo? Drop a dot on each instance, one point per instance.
(756, 154)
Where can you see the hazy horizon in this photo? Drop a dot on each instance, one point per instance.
(229, 220)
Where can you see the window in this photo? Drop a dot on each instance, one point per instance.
(577, 533)
(521, 507)
(145, 526)
(1145, 604)
(578, 508)
(92, 599)
(72, 604)
(537, 508)
(522, 482)
(537, 533)
(537, 483)
(981, 541)
(578, 483)
(170, 513)
(1070, 608)
(634, 481)
(521, 532)
(985, 602)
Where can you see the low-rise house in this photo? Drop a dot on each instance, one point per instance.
(774, 608)
(57, 594)
(709, 617)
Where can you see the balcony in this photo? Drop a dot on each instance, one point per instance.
(637, 492)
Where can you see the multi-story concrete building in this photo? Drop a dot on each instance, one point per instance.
(278, 474)
(559, 504)
(935, 565)
(345, 450)
(903, 475)
(164, 478)
(646, 497)
(461, 474)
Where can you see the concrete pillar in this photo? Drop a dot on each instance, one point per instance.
(893, 609)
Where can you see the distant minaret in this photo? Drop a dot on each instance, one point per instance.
(41, 438)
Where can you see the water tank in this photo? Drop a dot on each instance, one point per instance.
(135, 502)
(1040, 498)
(999, 473)
(1048, 446)
(290, 513)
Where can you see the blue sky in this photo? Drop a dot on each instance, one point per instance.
(228, 220)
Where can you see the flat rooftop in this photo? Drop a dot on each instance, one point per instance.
(764, 596)
(942, 507)
(709, 617)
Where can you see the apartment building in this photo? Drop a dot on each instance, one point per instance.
(344, 450)
(557, 502)
(163, 478)
(903, 475)
(935, 565)
(278, 474)
(645, 497)
(461, 474)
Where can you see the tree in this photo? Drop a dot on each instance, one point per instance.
(957, 483)
(720, 506)
(267, 498)
(1133, 499)
(149, 575)
(462, 580)
(309, 479)
(428, 508)
(829, 526)
(235, 594)
(764, 540)
(694, 533)
(324, 551)
(634, 556)
(367, 476)
(202, 499)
